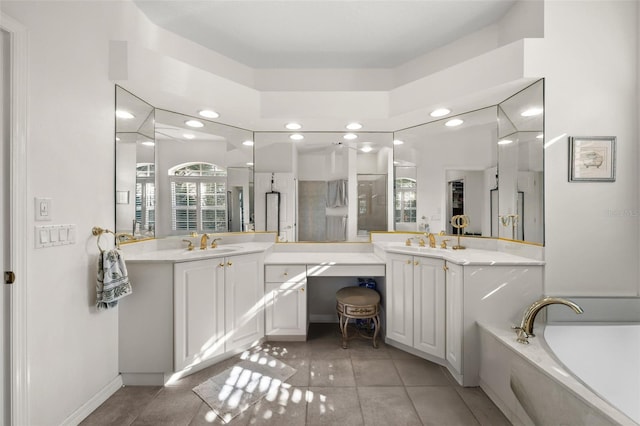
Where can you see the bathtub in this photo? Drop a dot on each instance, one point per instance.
(569, 374)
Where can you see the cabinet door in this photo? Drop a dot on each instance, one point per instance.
(455, 309)
(400, 298)
(285, 300)
(244, 291)
(198, 311)
(429, 306)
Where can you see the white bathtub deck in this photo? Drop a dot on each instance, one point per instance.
(605, 357)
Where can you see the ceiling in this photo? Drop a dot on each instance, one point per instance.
(323, 34)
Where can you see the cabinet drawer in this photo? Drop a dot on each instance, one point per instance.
(346, 270)
(282, 273)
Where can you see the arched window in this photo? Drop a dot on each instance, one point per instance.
(198, 198)
(145, 195)
(405, 203)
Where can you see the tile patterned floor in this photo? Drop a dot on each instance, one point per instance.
(333, 386)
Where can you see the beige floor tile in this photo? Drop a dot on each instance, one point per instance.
(301, 378)
(420, 372)
(123, 406)
(482, 407)
(386, 405)
(172, 406)
(440, 406)
(375, 372)
(333, 406)
(331, 372)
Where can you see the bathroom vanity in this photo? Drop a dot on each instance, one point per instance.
(191, 309)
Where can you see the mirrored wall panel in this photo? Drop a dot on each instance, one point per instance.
(442, 170)
(135, 165)
(331, 186)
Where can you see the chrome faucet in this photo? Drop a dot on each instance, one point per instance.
(526, 326)
(203, 241)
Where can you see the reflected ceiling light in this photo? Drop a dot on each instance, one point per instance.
(207, 113)
(354, 126)
(194, 123)
(189, 136)
(454, 122)
(366, 148)
(296, 137)
(117, 139)
(397, 142)
(505, 142)
(532, 112)
(120, 113)
(395, 163)
(249, 164)
(440, 112)
(148, 143)
(293, 126)
(247, 143)
(540, 136)
(350, 136)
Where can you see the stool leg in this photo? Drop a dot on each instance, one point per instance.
(344, 321)
(376, 324)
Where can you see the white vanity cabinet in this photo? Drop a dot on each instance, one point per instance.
(198, 311)
(189, 314)
(286, 302)
(415, 303)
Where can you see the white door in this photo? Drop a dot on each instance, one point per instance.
(198, 311)
(286, 308)
(428, 306)
(244, 303)
(4, 228)
(400, 298)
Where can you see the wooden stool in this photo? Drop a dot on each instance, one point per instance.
(358, 303)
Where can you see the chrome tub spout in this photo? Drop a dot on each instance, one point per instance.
(525, 330)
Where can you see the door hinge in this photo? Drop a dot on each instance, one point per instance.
(9, 277)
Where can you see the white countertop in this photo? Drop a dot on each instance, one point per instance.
(315, 258)
(468, 256)
(183, 255)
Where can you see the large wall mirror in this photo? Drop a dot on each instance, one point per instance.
(331, 186)
(173, 178)
(182, 174)
(486, 164)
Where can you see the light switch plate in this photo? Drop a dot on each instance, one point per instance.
(42, 209)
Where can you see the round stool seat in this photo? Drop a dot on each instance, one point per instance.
(359, 303)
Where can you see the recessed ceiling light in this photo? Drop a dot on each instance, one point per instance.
(194, 123)
(117, 139)
(207, 113)
(296, 137)
(366, 148)
(247, 143)
(398, 142)
(532, 112)
(354, 126)
(188, 135)
(350, 136)
(440, 112)
(505, 142)
(148, 143)
(249, 164)
(454, 122)
(540, 136)
(293, 126)
(120, 113)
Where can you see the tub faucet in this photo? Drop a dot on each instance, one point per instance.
(526, 326)
(214, 242)
(203, 241)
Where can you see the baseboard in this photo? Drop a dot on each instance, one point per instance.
(90, 406)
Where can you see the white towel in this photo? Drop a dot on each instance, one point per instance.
(113, 281)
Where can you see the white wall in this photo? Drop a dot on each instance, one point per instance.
(589, 58)
(72, 348)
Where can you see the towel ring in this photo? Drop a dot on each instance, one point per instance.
(97, 231)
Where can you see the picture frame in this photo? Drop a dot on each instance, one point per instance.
(592, 159)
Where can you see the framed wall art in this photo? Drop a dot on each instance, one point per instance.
(592, 159)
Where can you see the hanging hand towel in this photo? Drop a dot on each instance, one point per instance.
(113, 281)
